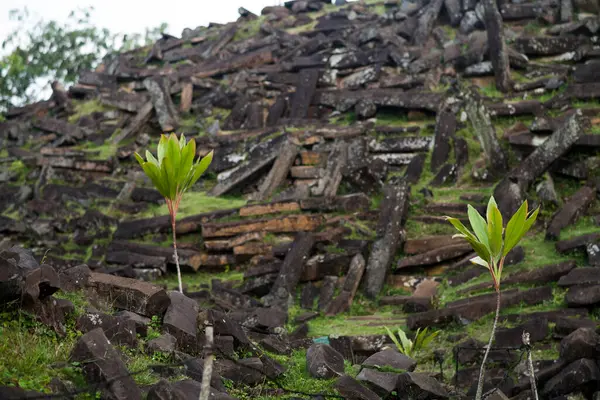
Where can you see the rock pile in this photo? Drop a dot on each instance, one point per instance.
(334, 124)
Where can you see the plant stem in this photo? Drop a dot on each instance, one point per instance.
(526, 342)
(176, 256)
(489, 347)
(208, 362)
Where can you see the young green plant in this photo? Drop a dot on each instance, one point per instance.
(407, 346)
(492, 248)
(173, 172)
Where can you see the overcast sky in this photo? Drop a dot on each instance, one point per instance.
(133, 16)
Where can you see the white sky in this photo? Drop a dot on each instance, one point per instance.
(133, 16)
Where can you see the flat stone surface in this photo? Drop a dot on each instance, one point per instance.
(180, 320)
(130, 294)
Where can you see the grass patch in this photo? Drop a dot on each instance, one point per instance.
(295, 378)
(249, 29)
(86, 108)
(198, 280)
(31, 354)
(193, 203)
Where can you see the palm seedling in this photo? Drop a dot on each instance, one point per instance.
(173, 172)
(408, 347)
(492, 248)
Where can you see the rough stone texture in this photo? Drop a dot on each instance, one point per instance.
(581, 375)
(130, 294)
(583, 296)
(582, 343)
(117, 329)
(392, 217)
(107, 366)
(343, 301)
(384, 382)
(165, 343)
(476, 307)
(163, 390)
(285, 224)
(279, 171)
(479, 116)
(571, 211)
(498, 50)
(328, 185)
(445, 127)
(581, 276)
(510, 192)
(323, 361)
(436, 256)
(421, 386)
(353, 390)
(159, 90)
(180, 320)
(291, 269)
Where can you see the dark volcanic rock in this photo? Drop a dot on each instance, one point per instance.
(392, 217)
(130, 294)
(323, 361)
(581, 276)
(581, 375)
(106, 366)
(511, 337)
(384, 382)
(180, 320)
(165, 343)
(510, 192)
(572, 210)
(582, 343)
(583, 296)
(247, 370)
(353, 390)
(420, 386)
(116, 329)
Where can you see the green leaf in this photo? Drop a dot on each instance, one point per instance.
(494, 229)
(151, 159)
(481, 250)
(155, 176)
(200, 167)
(529, 223)
(168, 178)
(162, 149)
(139, 159)
(479, 226)
(461, 228)
(393, 337)
(407, 344)
(480, 261)
(174, 157)
(187, 161)
(182, 142)
(514, 228)
(428, 339)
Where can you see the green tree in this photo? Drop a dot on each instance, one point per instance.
(56, 51)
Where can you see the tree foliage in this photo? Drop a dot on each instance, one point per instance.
(51, 50)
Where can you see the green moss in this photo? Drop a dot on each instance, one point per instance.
(491, 91)
(249, 29)
(296, 378)
(194, 282)
(194, 203)
(86, 108)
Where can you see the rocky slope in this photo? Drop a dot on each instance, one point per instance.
(343, 134)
